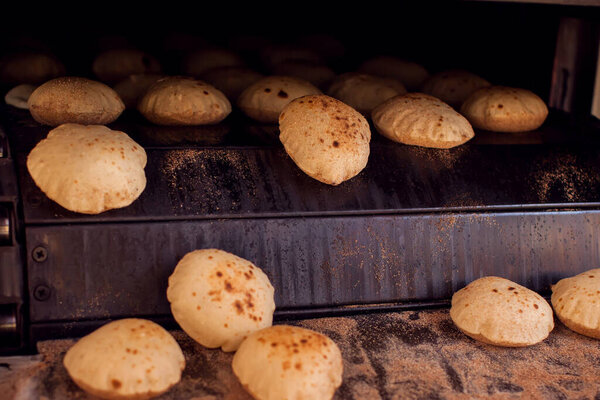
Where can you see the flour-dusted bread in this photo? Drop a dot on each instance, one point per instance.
(364, 92)
(29, 67)
(498, 311)
(18, 96)
(219, 299)
(264, 100)
(421, 120)
(132, 88)
(126, 359)
(288, 362)
(88, 168)
(200, 61)
(114, 65)
(453, 86)
(318, 74)
(183, 101)
(232, 81)
(326, 138)
(505, 109)
(411, 74)
(576, 301)
(74, 100)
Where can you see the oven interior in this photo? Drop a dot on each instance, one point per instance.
(416, 225)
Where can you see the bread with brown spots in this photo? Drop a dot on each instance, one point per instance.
(411, 74)
(219, 299)
(327, 139)
(364, 92)
(183, 101)
(114, 65)
(453, 86)
(29, 67)
(264, 100)
(75, 100)
(126, 359)
(132, 88)
(576, 301)
(288, 362)
(421, 120)
(504, 109)
(231, 80)
(498, 311)
(88, 168)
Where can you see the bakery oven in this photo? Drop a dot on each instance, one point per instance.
(413, 227)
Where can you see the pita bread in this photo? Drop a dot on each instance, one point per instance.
(504, 109)
(498, 311)
(126, 359)
(421, 120)
(88, 169)
(576, 301)
(219, 299)
(326, 138)
(288, 362)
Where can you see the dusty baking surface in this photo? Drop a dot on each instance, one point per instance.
(405, 355)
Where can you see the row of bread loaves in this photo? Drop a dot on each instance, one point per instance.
(498, 311)
(219, 300)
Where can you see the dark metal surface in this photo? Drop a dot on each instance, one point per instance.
(550, 168)
(111, 270)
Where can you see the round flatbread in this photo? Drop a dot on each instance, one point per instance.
(326, 138)
(411, 74)
(453, 86)
(183, 101)
(576, 301)
(88, 168)
(219, 299)
(264, 100)
(498, 311)
(126, 359)
(288, 362)
(364, 92)
(504, 109)
(114, 65)
(75, 100)
(421, 120)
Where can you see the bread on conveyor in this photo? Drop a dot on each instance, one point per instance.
(576, 301)
(453, 86)
(411, 74)
(126, 359)
(364, 92)
(75, 100)
(498, 311)
(421, 120)
(88, 168)
(327, 139)
(183, 101)
(29, 67)
(132, 88)
(219, 299)
(18, 96)
(505, 109)
(288, 362)
(114, 65)
(264, 100)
